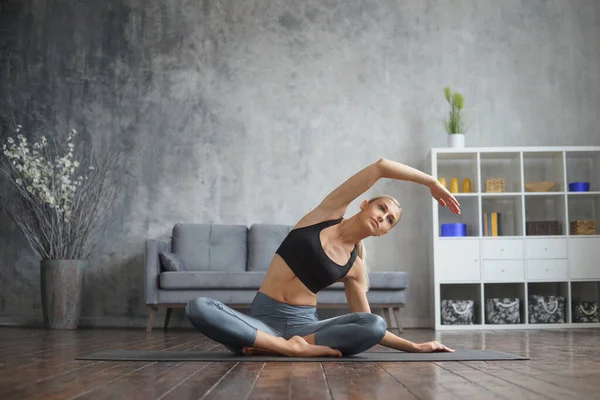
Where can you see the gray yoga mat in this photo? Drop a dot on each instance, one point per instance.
(157, 355)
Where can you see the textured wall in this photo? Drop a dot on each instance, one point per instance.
(244, 112)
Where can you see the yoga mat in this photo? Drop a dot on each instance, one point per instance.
(157, 355)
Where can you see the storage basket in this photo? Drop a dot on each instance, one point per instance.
(583, 227)
(495, 185)
(502, 311)
(586, 311)
(457, 312)
(533, 228)
(546, 309)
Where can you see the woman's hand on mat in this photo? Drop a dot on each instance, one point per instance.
(431, 347)
(444, 197)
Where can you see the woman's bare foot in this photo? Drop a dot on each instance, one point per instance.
(301, 348)
(252, 351)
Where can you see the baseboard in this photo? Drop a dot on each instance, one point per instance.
(177, 321)
(414, 323)
(99, 322)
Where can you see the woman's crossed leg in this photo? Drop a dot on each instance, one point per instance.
(238, 331)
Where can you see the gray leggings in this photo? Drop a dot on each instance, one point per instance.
(350, 333)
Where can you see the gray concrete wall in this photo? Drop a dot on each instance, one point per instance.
(244, 112)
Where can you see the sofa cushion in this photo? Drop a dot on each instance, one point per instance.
(211, 280)
(388, 280)
(211, 247)
(263, 241)
(171, 262)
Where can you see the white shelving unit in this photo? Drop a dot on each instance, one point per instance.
(517, 264)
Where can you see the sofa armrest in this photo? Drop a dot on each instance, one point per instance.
(152, 267)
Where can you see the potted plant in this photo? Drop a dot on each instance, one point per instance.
(58, 201)
(455, 122)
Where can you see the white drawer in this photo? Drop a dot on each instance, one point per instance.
(502, 249)
(584, 258)
(547, 270)
(546, 248)
(503, 271)
(457, 260)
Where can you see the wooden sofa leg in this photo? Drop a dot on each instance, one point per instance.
(151, 319)
(387, 317)
(167, 318)
(396, 311)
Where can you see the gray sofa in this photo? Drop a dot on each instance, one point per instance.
(228, 263)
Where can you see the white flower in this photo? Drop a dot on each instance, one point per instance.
(10, 140)
(91, 167)
(18, 181)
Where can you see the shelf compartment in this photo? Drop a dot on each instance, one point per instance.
(584, 207)
(585, 303)
(544, 215)
(460, 166)
(504, 303)
(460, 304)
(544, 167)
(505, 166)
(547, 303)
(458, 259)
(583, 166)
(584, 254)
(469, 215)
(509, 211)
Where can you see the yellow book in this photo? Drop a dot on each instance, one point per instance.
(494, 223)
(485, 224)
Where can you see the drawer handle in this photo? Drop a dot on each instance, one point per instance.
(545, 249)
(546, 269)
(503, 270)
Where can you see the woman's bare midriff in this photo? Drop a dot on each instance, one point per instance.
(281, 284)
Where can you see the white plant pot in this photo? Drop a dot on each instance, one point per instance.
(456, 140)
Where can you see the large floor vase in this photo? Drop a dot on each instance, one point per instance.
(61, 284)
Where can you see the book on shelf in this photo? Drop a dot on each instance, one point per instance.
(492, 224)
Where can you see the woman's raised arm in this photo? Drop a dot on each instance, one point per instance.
(340, 198)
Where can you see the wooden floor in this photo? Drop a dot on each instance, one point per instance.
(39, 364)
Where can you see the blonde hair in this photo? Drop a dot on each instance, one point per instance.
(361, 251)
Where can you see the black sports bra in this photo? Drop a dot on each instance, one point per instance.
(302, 251)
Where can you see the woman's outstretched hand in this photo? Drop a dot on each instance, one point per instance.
(444, 197)
(431, 347)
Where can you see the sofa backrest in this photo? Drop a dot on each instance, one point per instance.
(263, 241)
(211, 247)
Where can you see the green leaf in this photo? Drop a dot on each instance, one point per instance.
(447, 94)
(458, 100)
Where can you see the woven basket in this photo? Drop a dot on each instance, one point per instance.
(543, 186)
(583, 227)
(495, 185)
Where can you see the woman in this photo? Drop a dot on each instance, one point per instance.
(323, 248)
